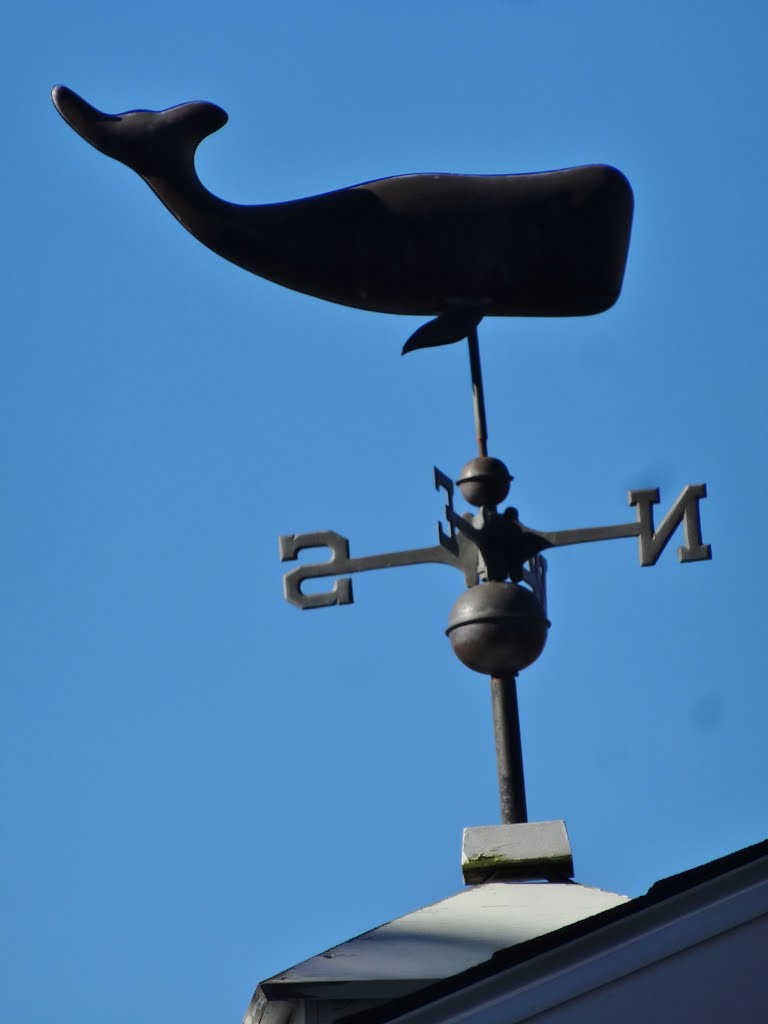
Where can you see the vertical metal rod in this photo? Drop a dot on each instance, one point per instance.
(509, 750)
(478, 397)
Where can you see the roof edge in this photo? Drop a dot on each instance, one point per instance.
(660, 892)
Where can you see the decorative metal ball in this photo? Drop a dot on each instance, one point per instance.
(484, 481)
(497, 628)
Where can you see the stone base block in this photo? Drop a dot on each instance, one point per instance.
(534, 850)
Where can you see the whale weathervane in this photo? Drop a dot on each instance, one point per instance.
(452, 246)
(456, 248)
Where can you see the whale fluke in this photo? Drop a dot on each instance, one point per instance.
(150, 142)
(546, 244)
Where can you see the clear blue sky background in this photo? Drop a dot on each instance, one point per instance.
(203, 785)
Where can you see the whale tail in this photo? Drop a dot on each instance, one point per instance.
(155, 144)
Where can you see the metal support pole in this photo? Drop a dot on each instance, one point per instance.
(478, 397)
(509, 750)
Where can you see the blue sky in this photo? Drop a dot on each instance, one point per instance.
(203, 785)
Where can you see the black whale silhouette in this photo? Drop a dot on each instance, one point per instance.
(454, 246)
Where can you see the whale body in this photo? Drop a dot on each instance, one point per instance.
(446, 245)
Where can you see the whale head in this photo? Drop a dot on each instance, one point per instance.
(154, 143)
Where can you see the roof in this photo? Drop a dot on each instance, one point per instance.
(672, 895)
(445, 938)
(494, 934)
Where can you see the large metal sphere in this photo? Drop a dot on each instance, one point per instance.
(497, 628)
(484, 481)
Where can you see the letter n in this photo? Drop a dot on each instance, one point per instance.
(685, 510)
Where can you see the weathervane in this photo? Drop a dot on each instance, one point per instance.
(499, 625)
(456, 248)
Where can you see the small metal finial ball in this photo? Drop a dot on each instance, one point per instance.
(484, 481)
(497, 628)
